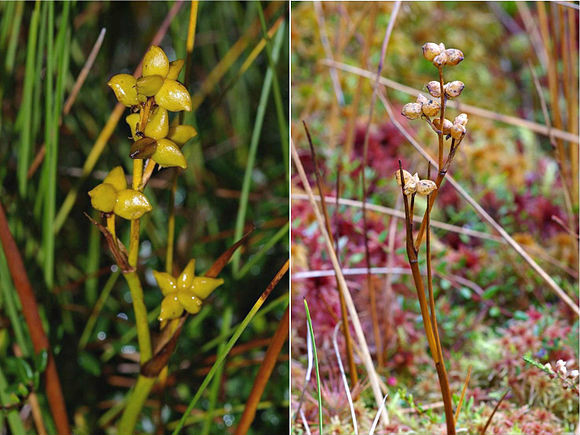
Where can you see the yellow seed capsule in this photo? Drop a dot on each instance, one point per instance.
(125, 88)
(454, 89)
(180, 134)
(171, 308)
(149, 85)
(175, 69)
(457, 131)
(454, 56)
(168, 154)
(158, 124)
(431, 108)
(155, 62)
(185, 280)
(461, 119)
(434, 88)
(133, 120)
(173, 96)
(202, 286)
(425, 187)
(189, 301)
(406, 175)
(116, 178)
(430, 50)
(166, 282)
(103, 197)
(131, 204)
(446, 125)
(411, 110)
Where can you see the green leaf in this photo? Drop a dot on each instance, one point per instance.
(41, 360)
(89, 363)
(490, 292)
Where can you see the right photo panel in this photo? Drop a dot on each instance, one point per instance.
(434, 218)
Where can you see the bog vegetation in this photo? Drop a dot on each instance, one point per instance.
(460, 284)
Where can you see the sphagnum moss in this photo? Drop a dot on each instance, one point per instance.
(150, 98)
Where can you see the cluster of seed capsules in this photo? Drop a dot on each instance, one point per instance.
(430, 107)
(150, 98)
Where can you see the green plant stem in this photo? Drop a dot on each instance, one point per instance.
(141, 323)
(171, 226)
(135, 402)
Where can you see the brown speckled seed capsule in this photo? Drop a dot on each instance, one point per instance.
(425, 187)
(431, 108)
(434, 88)
(461, 119)
(446, 125)
(457, 131)
(430, 50)
(411, 110)
(454, 89)
(454, 56)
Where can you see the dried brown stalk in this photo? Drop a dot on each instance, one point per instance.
(343, 311)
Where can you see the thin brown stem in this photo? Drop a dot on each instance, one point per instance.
(441, 116)
(463, 390)
(493, 413)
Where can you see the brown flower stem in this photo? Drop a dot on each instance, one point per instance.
(432, 337)
(31, 316)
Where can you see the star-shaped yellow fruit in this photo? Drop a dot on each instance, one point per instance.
(112, 195)
(184, 292)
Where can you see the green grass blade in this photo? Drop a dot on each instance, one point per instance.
(215, 385)
(86, 335)
(26, 107)
(11, 52)
(92, 265)
(241, 217)
(272, 305)
(263, 251)
(319, 393)
(49, 166)
(282, 119)
(219, 361)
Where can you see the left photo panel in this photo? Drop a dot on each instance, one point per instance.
(144, 218)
